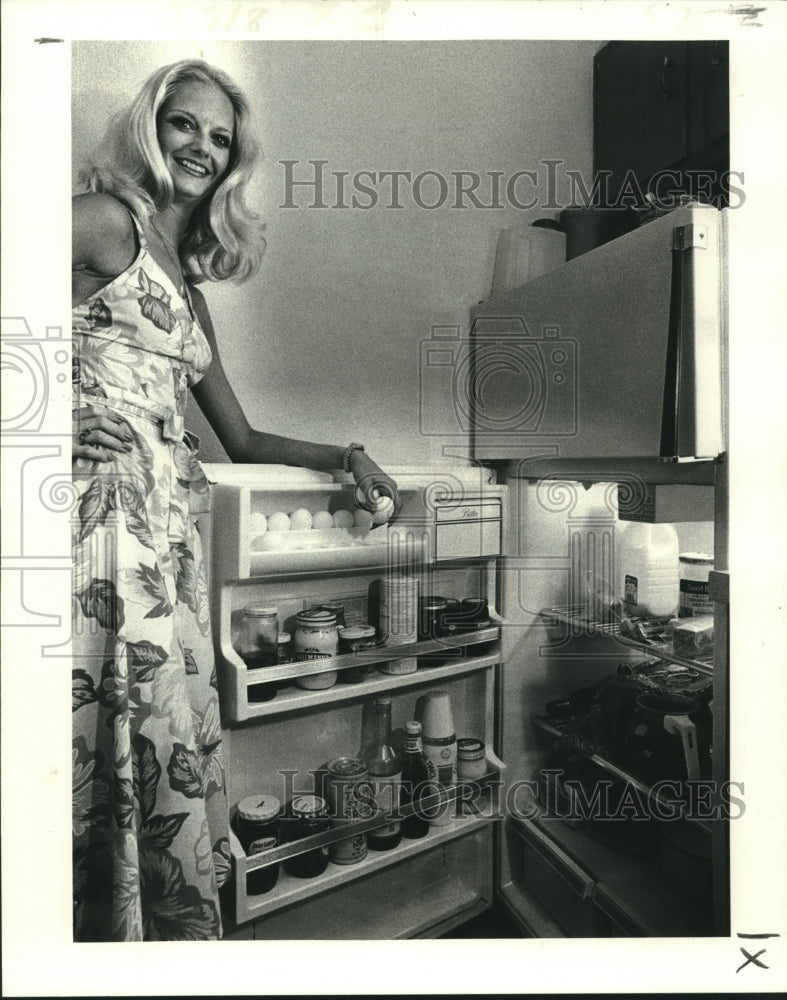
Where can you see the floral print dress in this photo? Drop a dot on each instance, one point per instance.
(149, 803)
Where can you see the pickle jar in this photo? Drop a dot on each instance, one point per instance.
(307, 815)
(257, 827)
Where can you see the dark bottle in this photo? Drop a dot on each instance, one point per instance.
(415, 778)
(384, 774)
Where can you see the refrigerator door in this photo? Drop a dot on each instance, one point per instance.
(616, 354)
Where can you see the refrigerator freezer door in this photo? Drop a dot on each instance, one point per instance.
(616, 354)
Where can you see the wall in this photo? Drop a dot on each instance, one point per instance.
(325, 342)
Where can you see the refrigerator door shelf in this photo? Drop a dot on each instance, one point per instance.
(478, 808)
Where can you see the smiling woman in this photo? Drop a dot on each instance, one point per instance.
(164, 210)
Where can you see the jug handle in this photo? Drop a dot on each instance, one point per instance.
(683, 726)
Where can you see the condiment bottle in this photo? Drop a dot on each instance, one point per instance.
(415, 781)
(385, 775)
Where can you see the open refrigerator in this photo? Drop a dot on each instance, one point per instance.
(461, 532)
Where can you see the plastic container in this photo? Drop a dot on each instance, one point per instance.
(694, 599)
(648, 570)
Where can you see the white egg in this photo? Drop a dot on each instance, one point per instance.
(342, 519)
(272, 540)
(279, 521)
(383, 508)
(258, 523)
(301, 519)
(362, 518)
(322, 519)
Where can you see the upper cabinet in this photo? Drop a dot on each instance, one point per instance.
(662, 106)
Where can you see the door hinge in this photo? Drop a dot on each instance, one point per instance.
(690, 237)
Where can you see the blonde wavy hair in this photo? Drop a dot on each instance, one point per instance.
(224, 237)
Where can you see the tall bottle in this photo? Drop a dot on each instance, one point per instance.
(385, 772)
(439, 743)
(415, 778)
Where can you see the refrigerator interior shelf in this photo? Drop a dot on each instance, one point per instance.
(238, 680)
(289, 889)
(628, 889)
(571, 620)
(657, 795)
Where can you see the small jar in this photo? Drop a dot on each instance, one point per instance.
(316, 638)
(257, 827)
(307, 816)
(258, 645)
(695, 568)
(470, 759)
(337, 608)
(354, 639)
(432, 616)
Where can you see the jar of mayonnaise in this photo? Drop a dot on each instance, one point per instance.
(316, 638)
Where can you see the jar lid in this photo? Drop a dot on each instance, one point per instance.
(469, 748)
(382, 702)
(696, 558)
(308, 805)
(284, 637)
(413, 728)
(259, 808)
(433, 602)
(316, 617)
(346, 767)
(357, 632)
(260, 610)
(333, 605)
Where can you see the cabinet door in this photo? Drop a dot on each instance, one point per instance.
(640, 108)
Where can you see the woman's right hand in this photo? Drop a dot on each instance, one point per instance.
(97, 435)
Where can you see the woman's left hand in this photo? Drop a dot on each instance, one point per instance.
(375, 491)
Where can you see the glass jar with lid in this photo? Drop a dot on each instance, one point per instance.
(259, 645)
(316, 638)
(693, 588)
(470, 759)
(306, 816)
(257, 827)
(354, 639)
